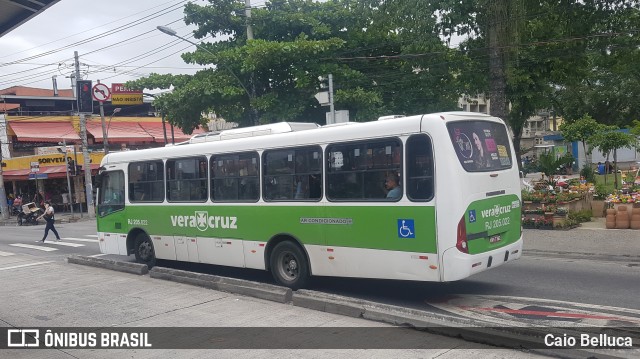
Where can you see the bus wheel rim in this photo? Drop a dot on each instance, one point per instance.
(145, 251)
(289, 266)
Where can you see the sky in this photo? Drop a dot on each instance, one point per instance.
(116, 40)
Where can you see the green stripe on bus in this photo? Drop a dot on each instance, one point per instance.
(374, 227)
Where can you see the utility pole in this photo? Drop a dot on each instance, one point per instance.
(252, 84)
(104, 128)
(3, 195)
(69, 193)
(332, 108)
(247, 12)
(85, 150)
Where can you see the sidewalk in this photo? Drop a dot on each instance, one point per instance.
(591, 240)
(62, 295)
(64, 217)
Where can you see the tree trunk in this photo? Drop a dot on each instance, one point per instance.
(497, 77)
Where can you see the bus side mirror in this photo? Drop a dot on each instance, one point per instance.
(98, 180)
(521, 174)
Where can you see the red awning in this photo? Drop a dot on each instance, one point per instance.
(45, 172)
(120, 132)
(155, 130)
(44, 131)
(8, 175)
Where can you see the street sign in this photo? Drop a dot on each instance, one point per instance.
(101, 92)
(35, 167)
(38, 176)
(323, 98)
(121, 95)
(126, 99)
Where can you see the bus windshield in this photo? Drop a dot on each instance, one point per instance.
(481, 145)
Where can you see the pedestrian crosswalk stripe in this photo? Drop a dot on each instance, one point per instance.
(6, 254)
(25, 265)
(92, 235)
(40, 248)
(80, 239)
(67, 244)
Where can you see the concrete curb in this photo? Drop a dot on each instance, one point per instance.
(127, 267)
(440, 324)
(225, 284)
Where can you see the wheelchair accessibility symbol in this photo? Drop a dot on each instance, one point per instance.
(406, 228)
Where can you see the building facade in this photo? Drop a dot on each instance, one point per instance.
(36, 124)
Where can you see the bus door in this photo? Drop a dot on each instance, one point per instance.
(111, 215)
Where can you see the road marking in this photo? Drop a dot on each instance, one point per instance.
(6, 254)
(80, 239)
(46, 249)
(509, 311)
(99, 255)
(67, 244)
(92, 235)
(540, 313)
(25, 265)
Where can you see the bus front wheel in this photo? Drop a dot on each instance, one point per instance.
(144, 250)
(289, 265)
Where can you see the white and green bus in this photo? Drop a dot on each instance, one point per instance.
(298, 199)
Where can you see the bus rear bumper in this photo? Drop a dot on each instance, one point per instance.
(458, 265)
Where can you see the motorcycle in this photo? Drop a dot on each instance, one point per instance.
(15, 211)
(29, 215)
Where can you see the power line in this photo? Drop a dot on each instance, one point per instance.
(99, 36)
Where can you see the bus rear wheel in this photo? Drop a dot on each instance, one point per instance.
(289, 265)
(144, 250)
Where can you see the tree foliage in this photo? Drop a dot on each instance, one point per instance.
(392, 57)
(610, 141)
(583, 130)
(297, 41)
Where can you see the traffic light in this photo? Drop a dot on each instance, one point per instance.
(78, 169)
(71, 167)
(84, 95)
(324, 82)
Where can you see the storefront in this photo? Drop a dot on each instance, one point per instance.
(47, 173)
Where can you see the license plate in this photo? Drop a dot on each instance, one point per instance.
(495, 239)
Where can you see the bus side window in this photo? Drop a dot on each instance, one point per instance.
(420, 179)
(234, 177)
(357, 170)
(293, 174)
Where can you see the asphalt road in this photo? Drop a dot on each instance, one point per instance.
(536, 282)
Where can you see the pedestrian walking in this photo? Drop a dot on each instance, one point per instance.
(48, 215)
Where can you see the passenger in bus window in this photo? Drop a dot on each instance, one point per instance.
(479, 154)
(392, 185)
(315, 186)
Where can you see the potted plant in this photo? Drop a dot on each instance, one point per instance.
(560, 217)
(598, 202)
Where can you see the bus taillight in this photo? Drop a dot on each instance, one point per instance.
(461, 240)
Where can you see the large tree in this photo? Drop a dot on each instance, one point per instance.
(372, 57)
(607, 87)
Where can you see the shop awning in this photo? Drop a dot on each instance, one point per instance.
(44, 131)
(120, 132)
(155, 130)
(44, 173)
